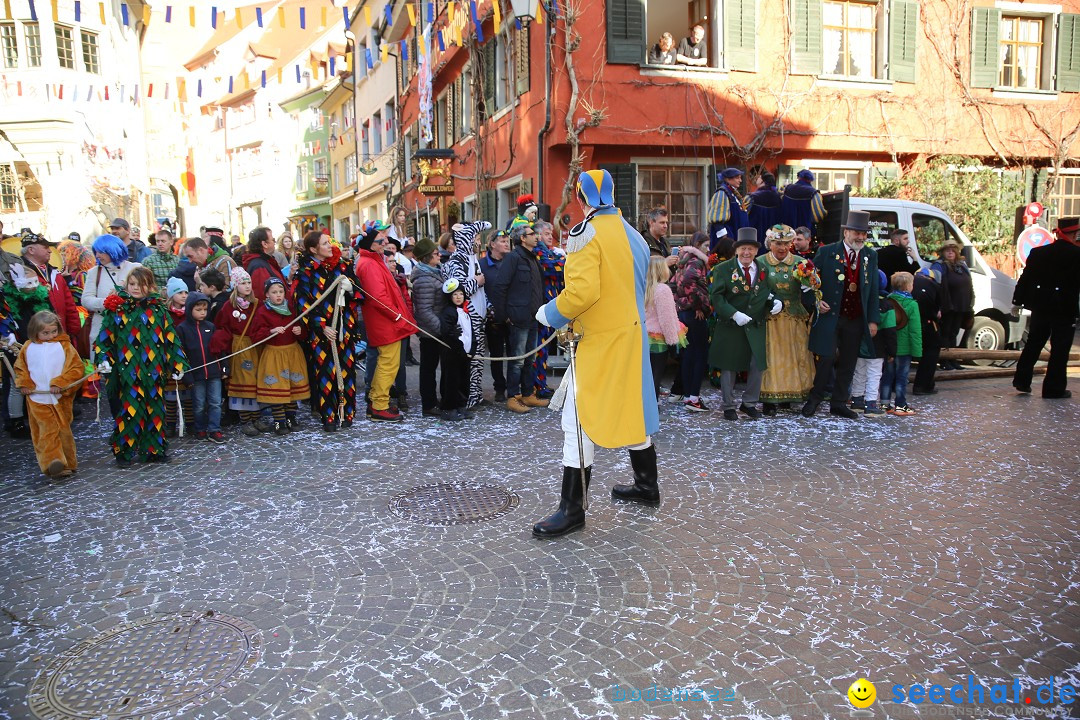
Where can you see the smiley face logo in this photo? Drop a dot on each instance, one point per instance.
(862, 693)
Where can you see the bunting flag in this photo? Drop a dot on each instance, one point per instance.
(367, 15)
(101, 12)
(124, 14)
(78, 11)
(281, 16)
(7, 9)
(345, 13)
(168, 13)
(181, 89)
(33, 12)
(370, 62)
(442, 45)
(230, 84)
(166, 91)
(332, 66)
(539, 12)
(303, 19)
(191, 15)
(89, 93)
(146, 15)
(279, 72)
(431, 12)
(106, 91)
(421, 46)
(409, 8)
(213, 17)
(198, 90)
(297, 73)
(404, 51)
(476, 21)
(322, 17)
(385, 51)
(258, 16)
(388, 11)
(55, 10)
(264, 78)
(239, 18)
(150, 90)
(498, 16)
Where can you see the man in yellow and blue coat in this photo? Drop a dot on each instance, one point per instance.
(610, 389)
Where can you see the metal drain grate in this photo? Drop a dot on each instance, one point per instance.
(453, 503)
(146, 666)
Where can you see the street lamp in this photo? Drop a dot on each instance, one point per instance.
(524, 10)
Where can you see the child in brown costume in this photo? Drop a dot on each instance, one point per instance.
(46, 365)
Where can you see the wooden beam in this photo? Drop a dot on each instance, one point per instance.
(974, 354)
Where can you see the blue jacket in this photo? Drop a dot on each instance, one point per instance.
(195, 338)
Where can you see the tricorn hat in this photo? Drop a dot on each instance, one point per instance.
(857, 220)
(747, 236)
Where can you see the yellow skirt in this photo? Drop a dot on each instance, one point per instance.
(790, 374)
(243, 369)
(282, 374)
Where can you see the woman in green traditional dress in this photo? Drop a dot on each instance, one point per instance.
(790, 374)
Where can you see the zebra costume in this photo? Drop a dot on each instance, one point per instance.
(464, 266)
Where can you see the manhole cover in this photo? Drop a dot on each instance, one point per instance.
(144, 667)
(453, 503)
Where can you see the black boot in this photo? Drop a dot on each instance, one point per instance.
(570, 516)
(645, 489)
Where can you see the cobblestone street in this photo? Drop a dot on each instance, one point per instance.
(788, 558)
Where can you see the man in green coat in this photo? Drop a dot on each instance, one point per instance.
(742, 303)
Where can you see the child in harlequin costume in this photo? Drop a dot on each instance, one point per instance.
(282, 375)
(320, 265)
(232, 334)
(464, 266)
(139, 347)
(607, 396)
(527, 212)
(47, 364)
(551, 269)
(177, 292)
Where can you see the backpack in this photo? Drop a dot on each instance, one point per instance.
(901, 315)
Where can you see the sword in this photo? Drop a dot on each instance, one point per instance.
(571, 339)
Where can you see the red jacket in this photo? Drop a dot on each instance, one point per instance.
(387, 319)
(261, 268)
(226, 326)
(266, 320)
(63, 304)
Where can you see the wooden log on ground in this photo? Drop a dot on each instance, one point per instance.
(985, 372)
(975, 354)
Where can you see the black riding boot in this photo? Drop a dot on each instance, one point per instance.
(570, 516)
(645, 489)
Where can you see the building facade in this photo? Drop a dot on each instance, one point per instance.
(311, 184)
(853, 90)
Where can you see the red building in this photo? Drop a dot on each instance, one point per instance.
(853, 90)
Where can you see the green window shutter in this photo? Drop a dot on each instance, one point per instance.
(625, 177)
(626, 31)
(521, 59)
(1068, 53)
(488, 208)
(985, 53)
(525, 187)
(806, 37)
(740, 34)
(903, 29)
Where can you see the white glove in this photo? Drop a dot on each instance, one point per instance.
(178, 376)
(541, 317)
(741, 318)
(104, 367)
(777, 306)
(8, 341)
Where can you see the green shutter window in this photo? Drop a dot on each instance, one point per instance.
(740, 35)
(903, 29)
(488, 208)
(985, 53)
(521, 59)
(488, 55)
(625, 177)
(806, 52)
(1068, 53)
(525, 187)
(626, 31)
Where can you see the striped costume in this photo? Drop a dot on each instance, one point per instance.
(312, 279)
(138, 339)
(464, 266)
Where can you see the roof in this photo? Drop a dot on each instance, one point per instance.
(229, 29)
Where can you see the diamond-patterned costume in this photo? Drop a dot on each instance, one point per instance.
(551, 269)
(138, 339)
(312, 279)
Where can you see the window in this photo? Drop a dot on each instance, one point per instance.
(65, 51)
(376, 134)
(350, 170)
(882, 222)
(32, 35)
(931, 232)
(316, 119)
(850, 30)
(337, 177)
(408, 143)
(828, 180)
(90, 52)
(301, 178)
(503, 73)
(361, 59)
(388, 119)
(365, 143)
(1021, 52)
(439, 129)
(465, 85)
(1064, 198)
(320, 170)
(9, 45)
(348, 114)
(9, 193)
(677, 189)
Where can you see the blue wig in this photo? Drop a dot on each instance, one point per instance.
(112, 246)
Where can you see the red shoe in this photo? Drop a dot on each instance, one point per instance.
(388, 415)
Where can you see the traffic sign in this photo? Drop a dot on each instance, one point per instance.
(1032, 237)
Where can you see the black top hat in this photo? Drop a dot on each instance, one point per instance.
(1068, 224)
(747, 236)
(857, 220)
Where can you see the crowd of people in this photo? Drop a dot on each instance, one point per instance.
(200, 335)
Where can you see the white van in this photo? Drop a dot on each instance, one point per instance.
(995, 328)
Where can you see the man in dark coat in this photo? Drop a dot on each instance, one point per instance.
(725, 212)
(932, 300)
(742, 302)
(1050, 289)
(897, 257)
(516, 295)
(802, 203)
(764, 211)
(849, 313)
